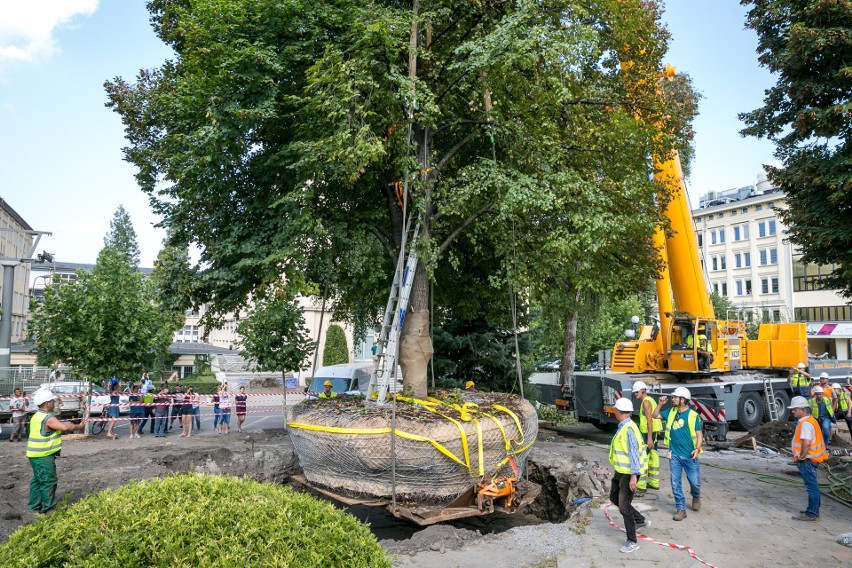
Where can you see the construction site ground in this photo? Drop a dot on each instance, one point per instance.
(743, 522)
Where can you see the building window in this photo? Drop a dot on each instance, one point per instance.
(758, 207)
(733, 212)
(712, 237)
(742, 259)
(721, 234)
(744, 287)
(700, 243)
(714, 263)
(774, 283)
(723, 265)
(766, 228)
(709, 217)
(764, 285)
(744, 210)
(807, 277)
(721, 214)
(824, 313)
(776, 315)
(768, 256)
(741, 232)
(724, 288)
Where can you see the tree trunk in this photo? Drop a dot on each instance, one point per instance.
(415, 348)
(569, 340)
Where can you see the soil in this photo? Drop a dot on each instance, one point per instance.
(743, 521)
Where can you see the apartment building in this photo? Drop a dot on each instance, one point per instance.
(747, 258)
(16, 241)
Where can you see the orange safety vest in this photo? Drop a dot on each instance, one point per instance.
(816, 451)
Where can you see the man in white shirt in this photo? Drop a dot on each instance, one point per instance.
(18, 406)
(224, 410)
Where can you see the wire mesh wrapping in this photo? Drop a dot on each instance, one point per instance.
(345, 447)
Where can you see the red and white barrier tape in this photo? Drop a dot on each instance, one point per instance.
(657, 542)
(271, 410)
(209, 396)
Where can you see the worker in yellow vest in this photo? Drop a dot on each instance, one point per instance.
(43, 446)
(647, 405)
(808, 452)
(684, 438)
(629, 459)
(326, 393)
(844, 404)
(800, 380)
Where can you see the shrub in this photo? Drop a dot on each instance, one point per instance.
(336, 351)
(195, 520)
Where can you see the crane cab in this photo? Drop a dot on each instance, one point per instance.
(697, 345)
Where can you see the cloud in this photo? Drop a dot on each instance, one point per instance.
(27, 27)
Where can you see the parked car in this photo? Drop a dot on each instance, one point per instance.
(72, 395)
(347, 378)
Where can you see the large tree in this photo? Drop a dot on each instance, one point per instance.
(807, 44)
(109, 321)
(289, 137)
(274, 334)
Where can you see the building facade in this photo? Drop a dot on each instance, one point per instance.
(748, 259)
(16, 241)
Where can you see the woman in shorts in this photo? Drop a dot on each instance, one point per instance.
(187, 413)
(240, 401)
(137, 411)
(113, 409)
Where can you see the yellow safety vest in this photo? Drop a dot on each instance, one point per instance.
(656, 423)
(332, 395)
(829, 406)
(799, 380)
(40, 443)
(691, 422)
(619, 453)
(843, 399)
(701, 337)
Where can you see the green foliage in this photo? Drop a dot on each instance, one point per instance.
(336, 350)
(549, 413)
(807, 45)
(478, 350)
(274, 334)
(201, 383)
(195, 520)
(122, 237)
(723, 307)
(110, 321)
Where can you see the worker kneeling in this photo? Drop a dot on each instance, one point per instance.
(648, 426)
(629, 459)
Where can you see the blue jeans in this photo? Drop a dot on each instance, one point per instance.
(808, 470)
(804, 391)
(825, 426)
(196, 416)
(678, 466)
(161, 422)
(216, 414)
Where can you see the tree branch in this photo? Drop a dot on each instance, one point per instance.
(460, 229)
(459, 145)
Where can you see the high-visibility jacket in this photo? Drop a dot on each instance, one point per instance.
(799, 380)
(619, 452)
(829, 407)
(42, 443)
(656, 423)
(323, 395)
(691, 422)
(843, 401)
(816, 451)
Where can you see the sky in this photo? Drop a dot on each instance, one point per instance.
(60, 147)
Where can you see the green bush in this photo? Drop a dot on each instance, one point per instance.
(196, 520)
(202, 384)
(336, 351)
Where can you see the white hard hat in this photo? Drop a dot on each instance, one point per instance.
(823, 375)
(835, 386)
(818, 390)
(624, 405)
(682, 392)
(798, 402)
(42, 395)
(639, 386)
(800, 366)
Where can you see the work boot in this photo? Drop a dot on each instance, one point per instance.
(696, 504)
(638, 494)
(804, 517)
(680, 515)
(629, 547)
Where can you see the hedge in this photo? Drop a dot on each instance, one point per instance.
(196, 520)
(336, 350)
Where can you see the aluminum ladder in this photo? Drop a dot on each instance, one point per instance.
(771, 405)
(385, 370)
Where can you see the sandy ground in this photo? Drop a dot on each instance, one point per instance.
(744, 522)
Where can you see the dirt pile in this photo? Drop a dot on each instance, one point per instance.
(776, 435)
(565, 478)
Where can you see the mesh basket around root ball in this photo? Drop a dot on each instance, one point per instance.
(440, 450)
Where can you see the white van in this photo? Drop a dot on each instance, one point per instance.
(349, 378)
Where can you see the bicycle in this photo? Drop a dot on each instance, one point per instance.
(98, 425)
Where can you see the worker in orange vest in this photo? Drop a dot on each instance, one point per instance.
(808, 452)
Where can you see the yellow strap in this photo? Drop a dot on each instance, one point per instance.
(514, 417)
(479, 443)
(502, 430)
(400, 433)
